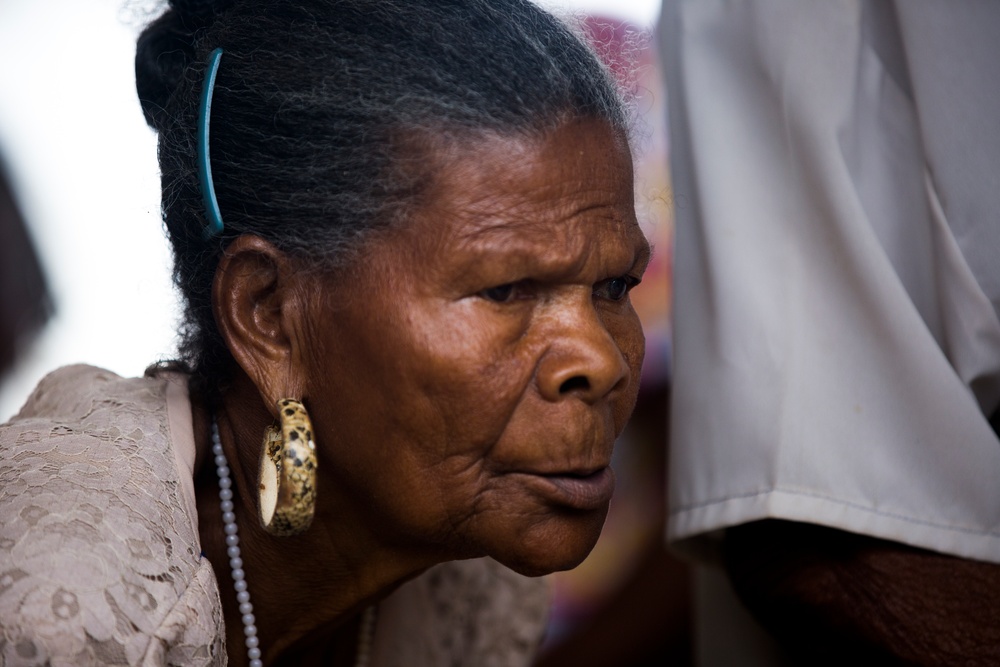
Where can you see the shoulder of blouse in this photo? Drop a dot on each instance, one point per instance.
(100, 560)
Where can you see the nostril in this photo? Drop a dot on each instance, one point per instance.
(574, 383)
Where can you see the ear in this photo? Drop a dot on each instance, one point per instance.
(258, 307)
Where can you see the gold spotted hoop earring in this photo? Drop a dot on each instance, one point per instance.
(288, 472)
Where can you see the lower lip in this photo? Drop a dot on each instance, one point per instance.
(581, 493)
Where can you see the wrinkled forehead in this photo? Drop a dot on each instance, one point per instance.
(582, 166)
(560, 199)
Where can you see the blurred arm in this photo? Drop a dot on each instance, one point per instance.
(831, 596)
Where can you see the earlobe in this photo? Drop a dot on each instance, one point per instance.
(257, 310)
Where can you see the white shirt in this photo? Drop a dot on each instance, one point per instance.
(836, 171)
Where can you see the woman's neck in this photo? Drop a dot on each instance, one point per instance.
(308, 591)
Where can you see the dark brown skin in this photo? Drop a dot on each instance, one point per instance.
(836, 598)
(468, 358)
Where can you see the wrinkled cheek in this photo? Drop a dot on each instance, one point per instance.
(480, 403)
(632, 343)
(634, 356)
(625, 329)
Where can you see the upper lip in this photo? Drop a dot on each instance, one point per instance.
(571, 471)
(581, 447)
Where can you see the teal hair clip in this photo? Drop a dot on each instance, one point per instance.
(214, 227)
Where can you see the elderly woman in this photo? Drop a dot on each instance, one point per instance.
(405, 236)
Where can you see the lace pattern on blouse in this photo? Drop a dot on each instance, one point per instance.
(100, 563)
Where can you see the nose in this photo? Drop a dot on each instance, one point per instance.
(582, 361)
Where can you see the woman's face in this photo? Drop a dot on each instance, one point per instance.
(468, 378)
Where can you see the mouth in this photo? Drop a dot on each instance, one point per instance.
(590, 490)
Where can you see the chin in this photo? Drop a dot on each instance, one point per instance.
(559, 543)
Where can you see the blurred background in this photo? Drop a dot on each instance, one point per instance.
(85, 274)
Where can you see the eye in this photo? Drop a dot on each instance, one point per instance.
(500, 293)
(615, 289)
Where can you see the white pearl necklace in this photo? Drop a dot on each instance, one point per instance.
(233, 549)
(366, 634)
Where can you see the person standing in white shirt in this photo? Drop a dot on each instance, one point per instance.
(836, 392)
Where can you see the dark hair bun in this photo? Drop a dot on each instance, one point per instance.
(164, 50)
